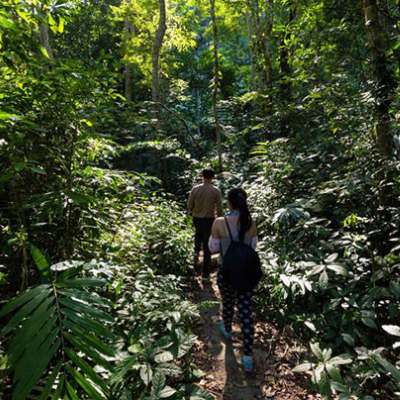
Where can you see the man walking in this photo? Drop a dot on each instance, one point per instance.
(205, 201)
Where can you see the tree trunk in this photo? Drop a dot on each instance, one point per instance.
(216, 82)
(158, 41)
(128, 65)
(262, 22)
(385, 84)
(250, 44)
(44, 39)
(284, 56)
(269, 15)
(259, 44)
(198, 111)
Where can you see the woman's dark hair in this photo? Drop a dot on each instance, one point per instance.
(238, 199)
(208, 173)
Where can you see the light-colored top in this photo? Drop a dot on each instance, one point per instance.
(220, 239)
(205, 201)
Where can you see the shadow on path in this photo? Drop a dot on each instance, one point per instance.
(225, 378)
(238, 384)
(276, 352)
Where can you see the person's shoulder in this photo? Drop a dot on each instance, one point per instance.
(196, 187)
(217, 189)
(219, 220)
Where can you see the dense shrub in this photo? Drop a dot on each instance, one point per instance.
(331, 260)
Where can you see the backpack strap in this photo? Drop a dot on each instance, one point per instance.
(229, 229)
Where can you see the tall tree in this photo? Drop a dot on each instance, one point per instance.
(384, 82)
(249, 27)
(158, 41)
(215, 85)
(128, 45)
(269, 11)
(262, 18)
(285, 52)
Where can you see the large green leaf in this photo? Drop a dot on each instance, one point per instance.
(83, 282)
(158, 383)
(85, 384)
(40, 261)
(123, 367)
(91, 298)
(22, 299)
(389, 367)
(19, 344)
(194, 392)
(50, 381)
(88, 351)
(86, 310)
(33, 367)
(26, 310)
(87, 370)
(72, 393)
(47, 320)
(324, 385)
(89, 339)
(88, 323)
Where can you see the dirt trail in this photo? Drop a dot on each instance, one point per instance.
(275, 354)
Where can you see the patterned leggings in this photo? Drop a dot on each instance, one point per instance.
(229, 298)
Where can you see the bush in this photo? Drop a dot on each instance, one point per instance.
(331, 260)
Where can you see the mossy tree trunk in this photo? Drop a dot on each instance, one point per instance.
(128, 65)
(384, 82)
(249, 27)
(215, 86)
(158, 42)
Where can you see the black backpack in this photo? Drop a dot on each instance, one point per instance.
(241, 266)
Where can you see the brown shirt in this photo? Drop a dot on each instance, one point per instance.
(204, 199)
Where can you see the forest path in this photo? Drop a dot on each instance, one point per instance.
(275, 354)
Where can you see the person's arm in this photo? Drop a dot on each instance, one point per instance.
(190, 203)
(214, 242)
(219, 204)
(254, 237)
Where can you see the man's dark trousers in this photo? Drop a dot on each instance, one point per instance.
(203, 232)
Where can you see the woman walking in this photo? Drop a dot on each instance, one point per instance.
(237, 225)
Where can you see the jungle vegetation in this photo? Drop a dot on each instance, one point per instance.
(109, 110)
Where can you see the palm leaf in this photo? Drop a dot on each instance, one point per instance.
(85, 384)
(50, 382)
(91, 298)
(86, 309)
(40, 261)
(59, 320)
(87, 369)
(89, 324)
(71, 391)
(19, 301)
(59, 388)
(83, 282)
(87, 350)
(25, 310)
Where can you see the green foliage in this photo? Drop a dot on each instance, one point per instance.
(328, 256)
(53, 323)
(78, 341)
(85, 175)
